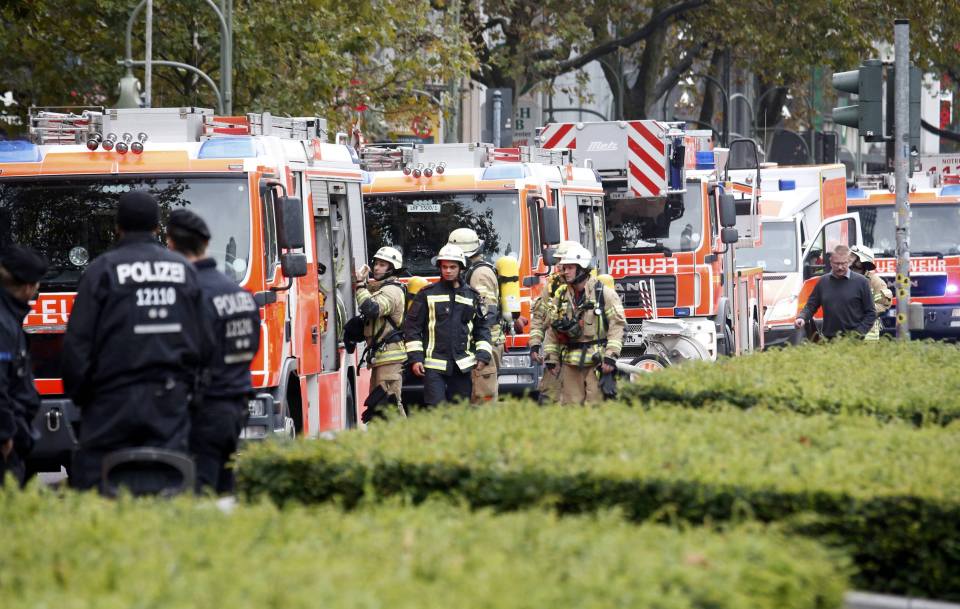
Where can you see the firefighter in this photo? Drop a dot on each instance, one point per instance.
(863, 263)
(217, 419)
(585, 332)
(482, 277)
(382, 302)
(446, 332)
(134, 345)
(21, 269)
(549, 388)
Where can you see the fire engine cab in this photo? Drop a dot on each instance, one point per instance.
(674, 227)
(520, 201)
(284, 208)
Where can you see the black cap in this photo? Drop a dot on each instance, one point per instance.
(24, 263)
(138, 211)
(184, 219)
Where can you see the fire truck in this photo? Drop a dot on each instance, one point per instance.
(675, 228)
(520, 201)
(934, 197)
(796, 204)
(284, 207)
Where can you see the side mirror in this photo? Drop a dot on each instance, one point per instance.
(264, 298)
(728, 211)
(549, 256)
(290, 223)
(729, 235)
(550, 225)
(293, 264)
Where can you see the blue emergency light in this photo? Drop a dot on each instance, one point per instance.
(706, 160)
(18, 151)
(788, 184)
(504, 172)
(231, 147)
(951, 190)
(856, 193)
(681, 312)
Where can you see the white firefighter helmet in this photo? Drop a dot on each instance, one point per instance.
(561, 249)
(390, 255)
(451, 253)
(467, 240)
(578, 255)
(864, 253)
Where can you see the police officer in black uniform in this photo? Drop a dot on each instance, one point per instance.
(217, 419)
(20, 272)
(134, 345)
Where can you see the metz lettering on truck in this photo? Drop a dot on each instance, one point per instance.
(621, 266)
(231, 304)
(158, 271)
(887, 266)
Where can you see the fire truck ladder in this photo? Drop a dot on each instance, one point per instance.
(292, 128)
(63, 125)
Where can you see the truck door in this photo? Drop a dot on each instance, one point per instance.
(324, 225)
(838, 230)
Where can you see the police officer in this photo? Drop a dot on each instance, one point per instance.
(482, 277)
(21, 269)
(218, 418)
(382, 302)
(863, 263)
(134, 344)
(549, 388)
(446, 332)
(585, 334)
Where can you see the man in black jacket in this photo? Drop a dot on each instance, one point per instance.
(218, 419)
(446, 332)
(845, 296)
(134, 345)
(20, 272)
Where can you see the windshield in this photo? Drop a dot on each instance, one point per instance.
(673, 223)
(778, 254)
(418, 224)
(71, 220)
(933, 229)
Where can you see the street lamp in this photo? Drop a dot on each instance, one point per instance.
(129, 90)
(224, 101)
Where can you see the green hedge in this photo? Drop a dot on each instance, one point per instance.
(889, 493)
(917, 381)
(80, 551)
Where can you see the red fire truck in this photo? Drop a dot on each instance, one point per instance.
(284, 208)
(674, 225)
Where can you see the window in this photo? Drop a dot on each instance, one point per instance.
(533, 212)
(270, 254)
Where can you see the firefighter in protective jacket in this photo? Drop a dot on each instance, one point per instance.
(863, 263)
(482, 277)
(382, 301)
(446, 332)
(585, 332)
(549, 387)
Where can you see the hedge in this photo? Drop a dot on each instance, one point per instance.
(888, 493)
(916, 381)
(77, 551)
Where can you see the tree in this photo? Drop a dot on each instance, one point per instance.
(305, 57)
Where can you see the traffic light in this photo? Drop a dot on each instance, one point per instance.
(867, 114)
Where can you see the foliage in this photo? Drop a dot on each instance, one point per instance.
(189, 554)
(914, 381)
(302, 58)
(886, 492)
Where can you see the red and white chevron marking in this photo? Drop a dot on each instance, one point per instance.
(646, 158)
(559, 135)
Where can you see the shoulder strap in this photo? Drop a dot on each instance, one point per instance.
(475, 266)
(601, 304)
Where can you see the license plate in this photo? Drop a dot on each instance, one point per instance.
(632, 338)
(423, 207)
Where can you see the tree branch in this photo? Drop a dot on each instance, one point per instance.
(672, 77)
(629, 40)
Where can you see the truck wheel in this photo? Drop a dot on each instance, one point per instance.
(725, 340)
(650, 362)
(756, 335)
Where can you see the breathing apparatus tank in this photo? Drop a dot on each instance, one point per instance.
(414, 285)
(508, 275)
